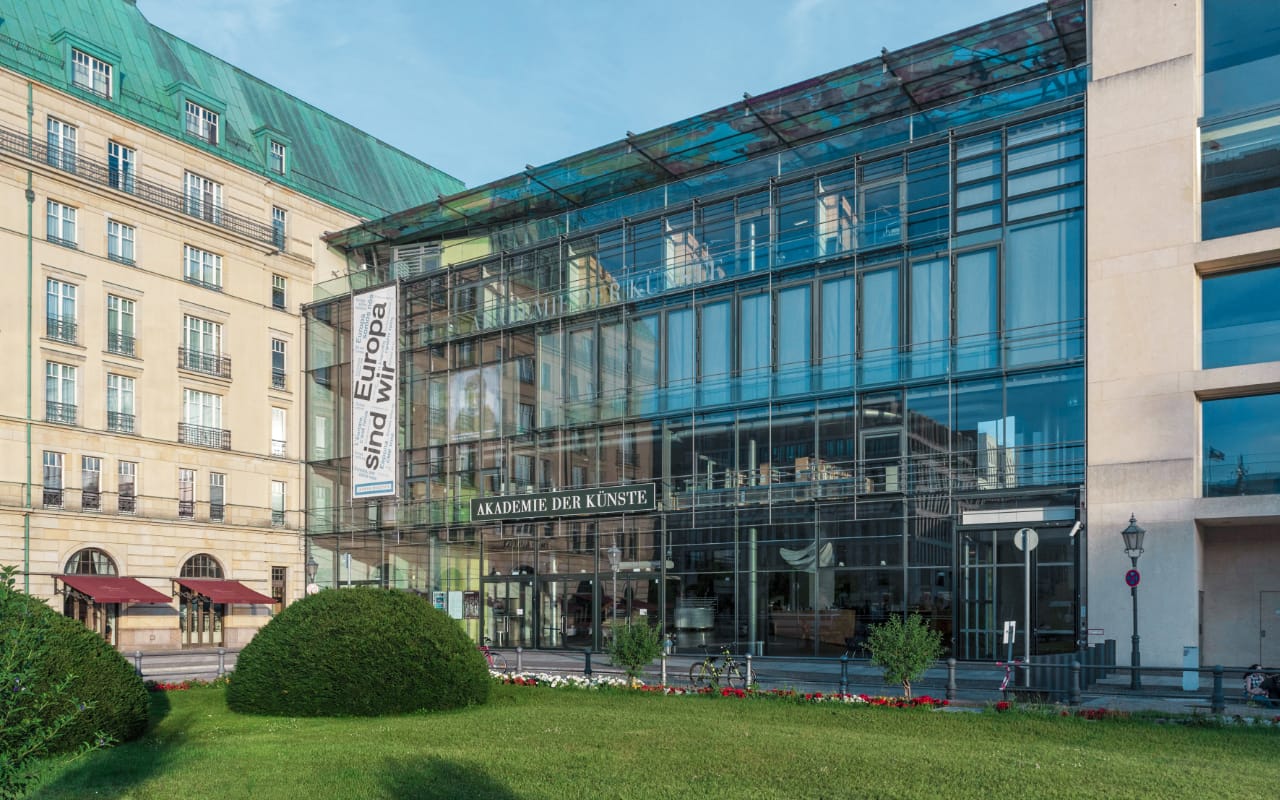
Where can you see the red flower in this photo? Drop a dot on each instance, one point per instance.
(1003, 705)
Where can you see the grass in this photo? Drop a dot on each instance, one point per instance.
(546, 743)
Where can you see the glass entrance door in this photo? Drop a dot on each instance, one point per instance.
(511, 614)
(200, 620)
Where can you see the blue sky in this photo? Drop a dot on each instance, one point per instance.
(479, 89)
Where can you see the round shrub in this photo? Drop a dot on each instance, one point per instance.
(115, 699)
(358, 652)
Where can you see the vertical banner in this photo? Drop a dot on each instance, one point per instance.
(374, 364)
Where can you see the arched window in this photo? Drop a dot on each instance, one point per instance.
(90, 561)
(201, 565)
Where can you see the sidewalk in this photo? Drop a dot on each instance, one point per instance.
(976, 684)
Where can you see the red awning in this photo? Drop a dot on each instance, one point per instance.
(111, 589)
(220, 591)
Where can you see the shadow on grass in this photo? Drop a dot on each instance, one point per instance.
(113, 771)
(438, 779)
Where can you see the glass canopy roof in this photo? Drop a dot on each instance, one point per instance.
(1014, 48)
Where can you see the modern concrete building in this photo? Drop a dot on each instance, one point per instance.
(163, 214)
(1184, 325)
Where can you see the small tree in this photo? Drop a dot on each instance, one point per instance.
(634, 646)
(904, 649)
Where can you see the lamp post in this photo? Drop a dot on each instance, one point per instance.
(312, 567)
(1133, 548)
(615, 558)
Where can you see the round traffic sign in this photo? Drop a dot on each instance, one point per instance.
(1132, 578)
(1026, 539)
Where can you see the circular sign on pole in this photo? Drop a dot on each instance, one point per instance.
(1027, 535)
(1132, 578)
(312, 588)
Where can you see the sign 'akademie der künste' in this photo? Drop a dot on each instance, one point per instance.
(610, 500)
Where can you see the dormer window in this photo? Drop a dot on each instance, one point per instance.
(276, 157)
(90, 74)
(202, 122)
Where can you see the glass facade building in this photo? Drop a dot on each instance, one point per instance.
(849, 360)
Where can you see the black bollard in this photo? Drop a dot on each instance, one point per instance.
(951, 679)
(844, 673)
(519, 660)
(1218, 703)
(1074, 697)
(586, 651)
(137, 661)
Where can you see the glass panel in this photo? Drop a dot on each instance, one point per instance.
(680, 358)
(1045, 152)
(879, 329)
(755, 327)
(881, 215)
(716, 354)
(1240, 182)
(1241, 445)
(838, 316)
(930, 317)
(1240, 318)
(977, 309)
(1044, 428)
(1241, 55)
(644, 365)
(795, 328)
(1044, 291)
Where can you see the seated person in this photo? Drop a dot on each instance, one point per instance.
(1253, 680)
(1271, 685)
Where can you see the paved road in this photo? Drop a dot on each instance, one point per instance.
(976, 684)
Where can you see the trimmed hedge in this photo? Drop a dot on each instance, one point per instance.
(117, 700)
(361, 651)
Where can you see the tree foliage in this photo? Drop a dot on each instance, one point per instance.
(904, 649)
(634, 646)
(62, 688)
(362, 651)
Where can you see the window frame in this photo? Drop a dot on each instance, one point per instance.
(63, 218)
(202, 123)
(201, 267)
(121, 241)
(92, 67)
(121, 403)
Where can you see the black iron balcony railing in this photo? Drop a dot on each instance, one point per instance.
(119, 422)
(62, 329)
(277, 518)
(90, 501)
(277, 447)
(217, 512)
(277, 378)
(186, 509)
(52, 498)
(202, 283)
(121, 258)
(126, 503)
(58, 240)
(17, 143)
(202, 436)
(62, 413)
(120, 344)
(208, 363)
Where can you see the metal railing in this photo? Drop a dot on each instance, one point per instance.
(19, 144)
(203, 436)
(62, 413)
(208, 363)
(52, 498)
(186, 509)
(277, 378)
(126, 503)
(119, 422)
(90, 501)
(120, 344)
(62, 329)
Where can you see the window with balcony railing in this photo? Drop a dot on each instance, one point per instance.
(202, 436)
(119, 422)
(208, 363)
(121, 344)
(52, 498)
(61, 413)
(186, 509)
(90, 501)
(60, 329)
(277, 379)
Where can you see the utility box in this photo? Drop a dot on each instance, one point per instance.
(1190, 669)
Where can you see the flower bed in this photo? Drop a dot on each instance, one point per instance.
(583, 682)
(182, 686)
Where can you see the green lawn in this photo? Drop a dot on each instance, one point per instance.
(545, 743)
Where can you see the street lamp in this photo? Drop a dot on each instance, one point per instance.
(615, 558)
(312, 567)
(1133, 548)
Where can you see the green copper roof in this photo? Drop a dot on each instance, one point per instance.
(155, 71)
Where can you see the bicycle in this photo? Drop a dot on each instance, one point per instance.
(496, 660)
(710, 673)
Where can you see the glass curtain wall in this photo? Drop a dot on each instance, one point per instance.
(820, 374)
